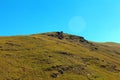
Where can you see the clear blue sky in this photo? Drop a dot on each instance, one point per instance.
(96, 20)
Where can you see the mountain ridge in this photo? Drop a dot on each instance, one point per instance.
(55, 32)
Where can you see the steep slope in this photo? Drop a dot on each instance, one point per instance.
(57, 56)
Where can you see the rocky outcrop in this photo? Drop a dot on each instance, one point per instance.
(74, 39)
(61, 69)
(60, 35)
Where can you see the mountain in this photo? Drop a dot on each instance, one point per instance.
(57, 56)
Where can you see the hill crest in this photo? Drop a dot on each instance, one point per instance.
(57, 56)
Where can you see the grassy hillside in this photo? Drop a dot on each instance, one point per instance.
(49, 56)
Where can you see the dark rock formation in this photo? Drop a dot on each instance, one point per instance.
(64, 53)
(55, 75)
(60, 35)
(60, 70)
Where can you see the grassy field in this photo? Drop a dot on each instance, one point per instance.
(46, 57)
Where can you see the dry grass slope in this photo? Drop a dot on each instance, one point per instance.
(51, 57)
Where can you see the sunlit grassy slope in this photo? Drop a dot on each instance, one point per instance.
(45, 57)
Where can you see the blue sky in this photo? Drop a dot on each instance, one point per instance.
(96, 20)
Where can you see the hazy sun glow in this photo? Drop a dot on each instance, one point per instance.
(77, 24)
